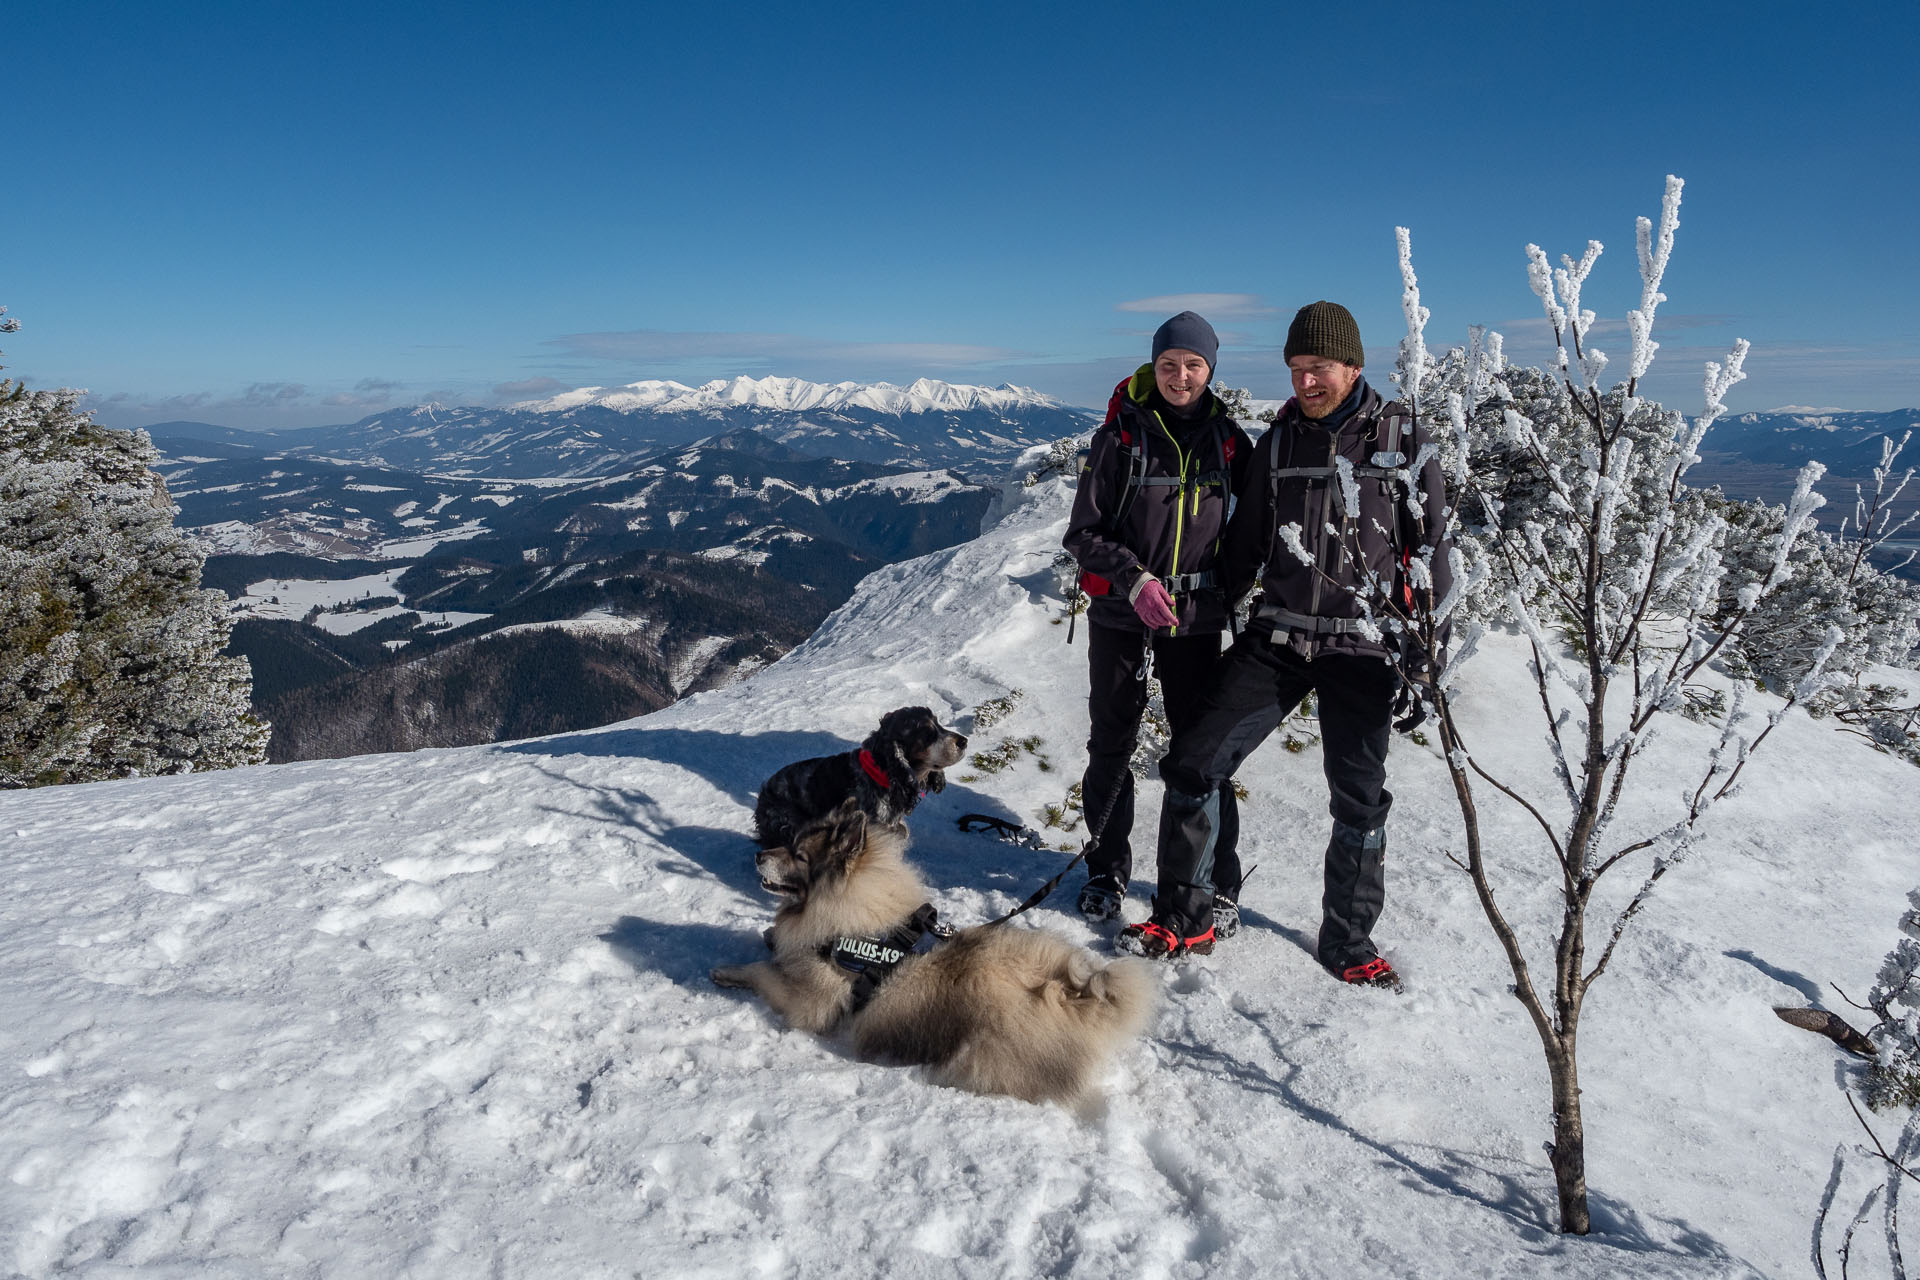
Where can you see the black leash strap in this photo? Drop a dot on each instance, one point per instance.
(1039, 895)
(1011, 831)
(1093, 839)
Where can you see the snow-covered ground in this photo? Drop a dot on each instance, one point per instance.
(447, 1014)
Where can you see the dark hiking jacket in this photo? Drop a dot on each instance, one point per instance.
(1172, 525)
(1385, 528)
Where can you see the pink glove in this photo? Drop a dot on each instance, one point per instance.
(1151, 601)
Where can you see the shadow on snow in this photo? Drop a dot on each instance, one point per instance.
(737, 764)
(1519, 1192)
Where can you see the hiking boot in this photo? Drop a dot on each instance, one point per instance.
(1375, 972)
(1226, 917)
(1157, 942)
(1100, 898)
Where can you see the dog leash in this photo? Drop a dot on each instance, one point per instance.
(1093, 830)
(1039, 895)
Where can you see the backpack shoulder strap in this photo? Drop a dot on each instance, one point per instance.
(1134, 451)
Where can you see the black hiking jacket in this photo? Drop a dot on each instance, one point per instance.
(1173, 524)
(1386, 528)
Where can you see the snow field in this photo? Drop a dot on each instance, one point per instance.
(292, 599)
(447, 1013)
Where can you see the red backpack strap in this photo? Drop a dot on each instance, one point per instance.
(1114, 401)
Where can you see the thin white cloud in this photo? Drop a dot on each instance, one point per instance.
(260, 405)
(527, 388)
(1229, 306)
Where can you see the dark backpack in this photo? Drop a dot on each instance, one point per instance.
(1387, 463)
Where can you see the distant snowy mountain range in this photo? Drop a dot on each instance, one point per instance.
(796, 395)
(600, 431)
(385, 609)
(678, 535)
(1759, 455)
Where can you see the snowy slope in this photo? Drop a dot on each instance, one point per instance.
(446, 1014)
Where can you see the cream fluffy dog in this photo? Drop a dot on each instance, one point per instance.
(993, 1009)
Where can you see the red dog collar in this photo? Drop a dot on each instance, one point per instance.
(874, 771)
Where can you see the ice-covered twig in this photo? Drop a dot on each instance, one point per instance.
(1654, 252)
(1540, 276)
(1349, 488)
(1570, 278)
(1800, 509)
(1412, 373)
(1289, 535)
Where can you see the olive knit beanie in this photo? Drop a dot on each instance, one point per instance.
(1188, 332)
(1325, 329)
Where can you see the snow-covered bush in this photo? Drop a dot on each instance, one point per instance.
(1236, 401)
(1826, 579)
(1894, 1081)
(110, 661)
(1877, 1170)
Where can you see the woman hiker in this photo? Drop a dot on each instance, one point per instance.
(1154, 499)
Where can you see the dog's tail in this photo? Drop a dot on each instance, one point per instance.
(1118, 997)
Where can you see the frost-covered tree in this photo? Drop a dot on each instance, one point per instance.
(1236, 401)
(110, 662)
(1892, 1083)
(1573, 524)
(1826, 578)
(1894, 1080)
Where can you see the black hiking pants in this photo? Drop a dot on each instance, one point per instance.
(1116, 700)
(1256, 684)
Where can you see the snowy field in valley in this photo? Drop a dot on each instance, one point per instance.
(447, 1014)
(291, 599)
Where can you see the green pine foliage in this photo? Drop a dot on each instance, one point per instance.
(110, 662)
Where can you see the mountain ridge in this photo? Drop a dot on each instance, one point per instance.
(598, 431)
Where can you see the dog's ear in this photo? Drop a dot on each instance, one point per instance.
(936, 780)
(910, 726)
(842, 835)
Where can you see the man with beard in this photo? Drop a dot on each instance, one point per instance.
(1309, 635)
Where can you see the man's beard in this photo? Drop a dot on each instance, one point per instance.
(1324, 406)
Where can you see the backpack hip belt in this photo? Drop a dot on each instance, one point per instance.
(1181, 583)
(1286, 620)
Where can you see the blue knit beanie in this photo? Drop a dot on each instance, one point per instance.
(1190, 333)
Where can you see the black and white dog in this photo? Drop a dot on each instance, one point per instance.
(886, 776)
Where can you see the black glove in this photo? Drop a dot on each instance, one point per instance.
(1409, 711)
(1416, 685)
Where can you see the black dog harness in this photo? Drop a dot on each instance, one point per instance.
(872, 960)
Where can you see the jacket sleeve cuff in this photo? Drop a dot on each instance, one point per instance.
(1139, 585)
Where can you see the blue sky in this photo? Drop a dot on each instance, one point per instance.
(276, 214)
